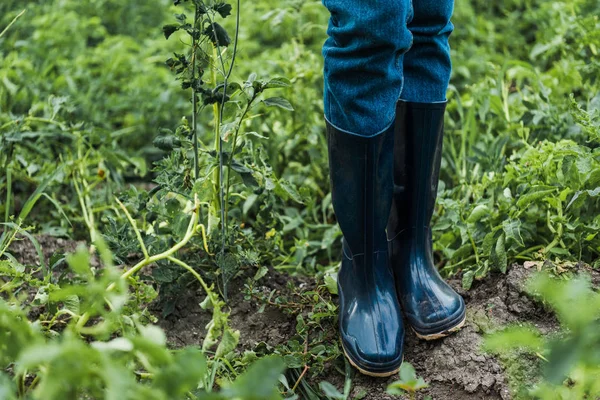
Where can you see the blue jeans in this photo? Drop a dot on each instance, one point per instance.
(382, 51)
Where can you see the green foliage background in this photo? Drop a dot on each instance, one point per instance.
(84, 92)
(521, 136)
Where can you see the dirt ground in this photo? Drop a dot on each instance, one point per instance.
(454, 367)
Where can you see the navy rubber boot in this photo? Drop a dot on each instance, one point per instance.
(431, 306)
(370, 319)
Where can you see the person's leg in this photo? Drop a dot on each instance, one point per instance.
(427, 66)
(363, 78)
(362, 63)
(431, 306)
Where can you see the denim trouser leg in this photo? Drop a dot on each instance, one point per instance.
(362, 57)
(427, 64)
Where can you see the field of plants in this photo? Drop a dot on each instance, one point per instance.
(166, 227)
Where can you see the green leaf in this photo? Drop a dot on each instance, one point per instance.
(80, 262)
(278, 82)
(175, 380)
(154, 334)
(259, 382)
(331, 283)
(58, 207)
(217, 35)
(501, 259)
(7, 388)
(407, 372)
(286, 189)
(408, 381)
(582, 194)
(117, 344)
(512, 230)
(31, 200)
(250, 200)
(331, 391)
(34, 242)
(168, 30)
(467, 280)
(262, 271)
(531, 197)
(245, 173)
(167, 142)
(515, 337)
(223, 9)
(41, 297)
(478, 213)
(278, 102)
(228, 342)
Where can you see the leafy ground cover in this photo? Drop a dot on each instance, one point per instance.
(182, 144)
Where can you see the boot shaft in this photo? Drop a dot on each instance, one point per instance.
(361, 175)
(417, 158)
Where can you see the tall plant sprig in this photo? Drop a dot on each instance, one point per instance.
(222, 198)
(204, 15)
(208, 55)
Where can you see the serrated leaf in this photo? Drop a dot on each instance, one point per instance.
(407, 372)
(278, 82)
(287, 189)
(512, 230)
(278, 102)
(71, 303)
(228, 342)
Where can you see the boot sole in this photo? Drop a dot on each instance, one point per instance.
(370, 373)
(443, 334)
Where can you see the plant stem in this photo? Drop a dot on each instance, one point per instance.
(12, 22)
(8, 193)
(34, 119)
(216, 175)
(191, 230)
(193, 272)
(194, 101)
(233, 149)
(135, 228)
(218, 139)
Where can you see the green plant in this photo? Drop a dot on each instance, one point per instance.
(408, 382)
(570, 357)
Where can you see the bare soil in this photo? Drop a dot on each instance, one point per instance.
(455, 367)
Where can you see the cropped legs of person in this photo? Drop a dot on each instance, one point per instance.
(432, 308)
(365, 60)
(363, 80)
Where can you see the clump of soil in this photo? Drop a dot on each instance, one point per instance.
(454, 367)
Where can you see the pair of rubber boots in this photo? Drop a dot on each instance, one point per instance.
(374, 190)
